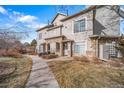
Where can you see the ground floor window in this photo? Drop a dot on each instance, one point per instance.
(109, 51)
(112, 50)
(79, 47)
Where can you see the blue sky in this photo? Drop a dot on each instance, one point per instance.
(31, 17)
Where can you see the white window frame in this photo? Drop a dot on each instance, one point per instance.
(85, 46)
(79, 20)
(112, 49)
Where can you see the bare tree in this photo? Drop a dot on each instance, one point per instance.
(14, 32)
(9, 36)
(118, 10)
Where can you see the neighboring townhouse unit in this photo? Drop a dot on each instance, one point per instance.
(93, 31)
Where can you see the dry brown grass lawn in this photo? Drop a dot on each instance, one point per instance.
(77, 74)
(19, 77)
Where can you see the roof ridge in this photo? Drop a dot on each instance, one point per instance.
(83, 11)
(61, 13)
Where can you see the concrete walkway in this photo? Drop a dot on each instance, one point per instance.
(41, 76)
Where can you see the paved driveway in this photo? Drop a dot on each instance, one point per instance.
(41, 76)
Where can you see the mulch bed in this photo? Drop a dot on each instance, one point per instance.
(50, 56)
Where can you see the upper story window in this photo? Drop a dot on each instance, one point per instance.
(40, 35)
(79, 26)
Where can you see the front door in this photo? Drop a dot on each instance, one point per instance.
(44, 47)
(65, 48)
(105, 51)
(48, 48)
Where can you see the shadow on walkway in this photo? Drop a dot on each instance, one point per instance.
(41, 76)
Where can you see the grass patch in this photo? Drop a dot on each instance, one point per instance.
(19, 77)
(77, 74)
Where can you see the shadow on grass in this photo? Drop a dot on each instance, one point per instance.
(19, 77)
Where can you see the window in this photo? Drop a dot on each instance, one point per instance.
(40, 36)
(57, 47)
(112, 50)
(79, 26)
(79, 48)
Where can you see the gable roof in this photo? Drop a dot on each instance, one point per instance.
(83, 12)
(51, 25)
(77, 14)
(57, 16)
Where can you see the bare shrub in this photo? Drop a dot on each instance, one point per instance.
(115, 63)
(81, 58)
(96, 60)
(120, 47)
(3, 52)
(33, 53)
(13, 53)
(87, 59)
(50, 56)
(76, 58)
(10, 53)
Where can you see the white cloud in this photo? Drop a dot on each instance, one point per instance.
(29, 21)
(35, 25)
(27, 18)
(16, 13)
(3, 10)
